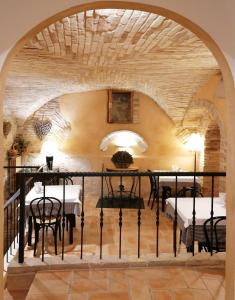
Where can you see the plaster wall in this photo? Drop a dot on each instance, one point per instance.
(87, 114)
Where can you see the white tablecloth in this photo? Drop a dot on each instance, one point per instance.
(72, 196)
(202, 208)
(183, 181)
(179, 179)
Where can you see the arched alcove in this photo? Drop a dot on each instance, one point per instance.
(124, 139)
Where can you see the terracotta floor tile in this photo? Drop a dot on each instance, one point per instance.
(15, 295)
(19, 282)
(139, 291)
(64, 276)
(162, 295)
(165, 283)
(78, 296)
(110, 296)
(111, 233)
(56, 286)
(201, 294)
(183, 294)
(193, 279)
(118, 280)
(215, 287)
(88, 285)
(50, 296)
(161, 283)
(191, 294)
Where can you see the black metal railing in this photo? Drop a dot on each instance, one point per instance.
(83, 176)
(12, 215)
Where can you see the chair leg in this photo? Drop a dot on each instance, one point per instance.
(55, 240)
(154, 198)
(59, 231)
(163, 204)
(180, 236)
(36, 240)
(67, 224)
(150, 196)
(200, 247)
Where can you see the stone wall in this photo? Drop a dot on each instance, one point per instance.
(211, 158)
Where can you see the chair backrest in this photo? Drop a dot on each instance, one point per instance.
(46, 210)
(153, 181)
(189, 192)
(118, 189)
(215, 233)
(68, 180)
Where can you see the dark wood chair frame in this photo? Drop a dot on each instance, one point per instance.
(154, 189)
(211, 246)
(46, 213)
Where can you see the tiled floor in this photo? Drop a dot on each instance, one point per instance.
(158, 283)
(91, 243)
(161, 283)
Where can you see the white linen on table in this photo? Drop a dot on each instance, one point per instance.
(72, 196)
(202, 208)
(179, 179)
(172, 178)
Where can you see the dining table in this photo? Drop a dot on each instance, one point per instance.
(202, 213)
(167, 184)
(71, 204)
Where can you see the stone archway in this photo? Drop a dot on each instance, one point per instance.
(230, 93)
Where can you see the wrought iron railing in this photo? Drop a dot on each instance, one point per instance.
(46, 177)
(12, 215)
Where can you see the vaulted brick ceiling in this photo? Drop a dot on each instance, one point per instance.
(110, 48)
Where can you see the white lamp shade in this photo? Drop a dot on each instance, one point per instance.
(195, 142)
(49, 148)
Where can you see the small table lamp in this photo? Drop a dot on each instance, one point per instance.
(195, 143)
(49, 161)
(49, 149)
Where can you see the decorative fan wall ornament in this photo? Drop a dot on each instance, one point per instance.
(42, 128)
(6, 128)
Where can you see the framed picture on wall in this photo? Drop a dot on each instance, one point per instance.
(120, 106)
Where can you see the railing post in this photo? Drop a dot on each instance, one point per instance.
(120, 232)
(157, 218)
(82, 217)
(22, 219)
(212, 213)
(194, 211)
(101, 216)
(63, 218)
(175, 217)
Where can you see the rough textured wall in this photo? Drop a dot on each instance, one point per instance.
(212, 157)
(87, 115)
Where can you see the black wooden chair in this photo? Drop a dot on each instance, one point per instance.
(154, 189)
(121, 190)
(46, 213)
(215, 234)
(70, 218)
(166, 193)
(190, 192)
(117, 193)
(67, 180)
